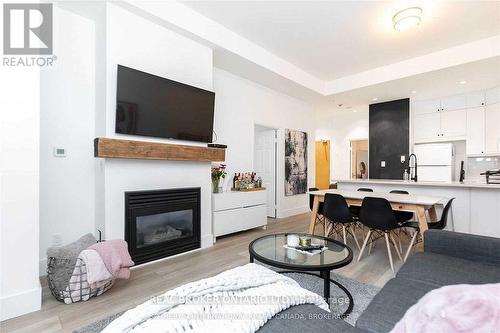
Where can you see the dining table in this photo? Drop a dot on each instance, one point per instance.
(421, 205)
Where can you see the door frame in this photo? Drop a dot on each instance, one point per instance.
(350, 155)
(275, 171)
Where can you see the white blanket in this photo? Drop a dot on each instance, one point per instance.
(238, 300)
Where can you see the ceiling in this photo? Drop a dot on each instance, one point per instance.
(338, 38)
(477, 75)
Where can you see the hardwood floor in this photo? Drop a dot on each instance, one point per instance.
(152, 279)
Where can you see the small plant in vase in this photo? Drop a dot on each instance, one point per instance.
(218, 173)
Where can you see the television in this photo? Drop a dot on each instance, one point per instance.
(149, 105)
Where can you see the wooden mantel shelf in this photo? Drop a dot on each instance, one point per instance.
(117, 148)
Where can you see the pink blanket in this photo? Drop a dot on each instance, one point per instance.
(456, 308)
(96, 270)
(114, 254)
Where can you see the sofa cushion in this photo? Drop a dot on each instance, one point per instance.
(391, 303)
(443, 270)
(306, 318)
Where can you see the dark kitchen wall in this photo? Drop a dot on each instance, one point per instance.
(389, 138)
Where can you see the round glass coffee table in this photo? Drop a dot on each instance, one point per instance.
(270, 250)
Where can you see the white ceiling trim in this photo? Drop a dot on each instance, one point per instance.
(462, 54)
(216, 34)
(194, 24)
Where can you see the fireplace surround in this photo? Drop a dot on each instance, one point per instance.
(162, 223)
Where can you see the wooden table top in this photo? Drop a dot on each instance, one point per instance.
(413, 199)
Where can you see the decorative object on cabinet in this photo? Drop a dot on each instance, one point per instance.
(218, 173)
(247, 182)
(295, 162)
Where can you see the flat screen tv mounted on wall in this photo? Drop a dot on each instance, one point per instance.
(149, 105)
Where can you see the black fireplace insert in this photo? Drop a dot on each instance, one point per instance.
(162, 223)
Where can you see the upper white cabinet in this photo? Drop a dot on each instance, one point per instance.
(492, 96)
(474, 117)
(454, 124)
(427, 106)
(475, 99)
(492, 128)
(441, 124)
(475, 131)
(451, 103)
(427, 126)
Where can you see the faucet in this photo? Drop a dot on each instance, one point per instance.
(415, 167)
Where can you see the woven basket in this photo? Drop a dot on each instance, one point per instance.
(68, 283)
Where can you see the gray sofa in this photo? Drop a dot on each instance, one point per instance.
(448, 258)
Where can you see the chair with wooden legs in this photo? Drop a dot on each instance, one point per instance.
(378, 216)
(320, 219)
(356, 209)
(402, 217)
(439, 225)
(337, 214)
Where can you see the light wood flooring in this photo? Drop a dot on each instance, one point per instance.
(155, 278)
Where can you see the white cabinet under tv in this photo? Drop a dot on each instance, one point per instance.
(236, 211)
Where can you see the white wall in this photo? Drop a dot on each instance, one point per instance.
(340, 127)
(20, 290)
(240, 104)
(138, 43)
(67, 111)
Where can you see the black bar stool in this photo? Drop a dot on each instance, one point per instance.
(440, 225)
(378, 216)
(336, 211)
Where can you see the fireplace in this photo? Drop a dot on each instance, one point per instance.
(161, 223)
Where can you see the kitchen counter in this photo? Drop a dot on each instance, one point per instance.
(476, 208)
(466, 184)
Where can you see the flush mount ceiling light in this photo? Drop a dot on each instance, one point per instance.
(407, 18)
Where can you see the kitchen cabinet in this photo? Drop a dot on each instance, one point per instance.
(440, 126)
(427, 126)
(492, 96)
(427, 106)
(454, 124)
(458, 102)
(475, 131)
(492, 128)
(475, 99)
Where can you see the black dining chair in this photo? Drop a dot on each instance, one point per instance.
(337, 214)
(402, 217)
(439, 225)
(320, 219)
(355, 209)
(378, 216)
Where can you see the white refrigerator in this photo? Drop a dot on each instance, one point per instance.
(436, 162)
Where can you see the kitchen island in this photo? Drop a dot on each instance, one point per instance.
(476, 208)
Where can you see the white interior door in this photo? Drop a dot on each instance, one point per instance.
(265, 164)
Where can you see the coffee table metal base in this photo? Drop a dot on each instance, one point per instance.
(325, 275)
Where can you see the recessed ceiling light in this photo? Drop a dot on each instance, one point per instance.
(375, 99)
(407, 18)
(413, 91)
(463, 82)
(355, 111)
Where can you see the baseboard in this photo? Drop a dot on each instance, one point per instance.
(207, 241)
(42, 267)
(21, 303)
(292, 211)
